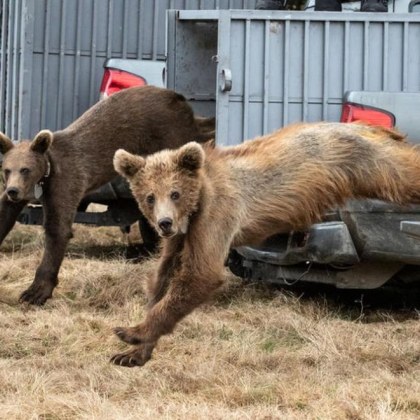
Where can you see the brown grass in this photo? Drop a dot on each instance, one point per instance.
(253, 353)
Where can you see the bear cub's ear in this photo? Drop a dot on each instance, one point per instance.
(127, 164)
(5, 144)
(42, 141)
(190, 156)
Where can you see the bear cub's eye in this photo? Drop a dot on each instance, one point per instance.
(175, 195)
(24, 171)
(150, 199)
(6, 172)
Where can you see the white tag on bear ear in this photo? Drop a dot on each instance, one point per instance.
(38, 191)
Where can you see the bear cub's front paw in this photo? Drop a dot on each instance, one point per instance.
(136, 357)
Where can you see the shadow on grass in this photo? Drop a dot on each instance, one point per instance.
(387, 303)
(374, 305)
(135, 254)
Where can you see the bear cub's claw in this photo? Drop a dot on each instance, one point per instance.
(128, 335)
(35, 295)
(136, 357)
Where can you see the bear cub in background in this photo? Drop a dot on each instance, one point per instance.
(59, 169)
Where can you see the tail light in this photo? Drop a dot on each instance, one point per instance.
(115, 80)
(355, 112)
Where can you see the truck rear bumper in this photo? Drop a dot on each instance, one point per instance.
(324, 243)
(370, 244)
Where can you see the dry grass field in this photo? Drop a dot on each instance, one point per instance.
(254, 352)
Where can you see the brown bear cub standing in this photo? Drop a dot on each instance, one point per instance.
(203, 202)
(77, 160)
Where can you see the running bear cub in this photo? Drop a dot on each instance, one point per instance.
(204, 201)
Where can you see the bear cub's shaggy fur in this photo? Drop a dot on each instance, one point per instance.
(203, 202)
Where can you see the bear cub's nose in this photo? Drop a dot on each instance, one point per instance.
(12, 193)
(165, 224)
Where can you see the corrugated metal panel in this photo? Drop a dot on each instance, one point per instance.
(52, 53)
(296, 66)
(10, 33)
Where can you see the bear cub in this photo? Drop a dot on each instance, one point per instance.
(204, 201)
